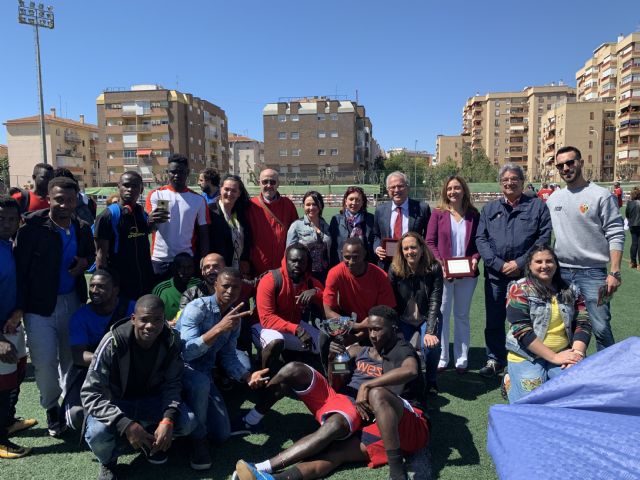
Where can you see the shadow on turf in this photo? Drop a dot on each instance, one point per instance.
(470, 385)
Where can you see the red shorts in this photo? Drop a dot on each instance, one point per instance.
(321, 400)
(414, 435)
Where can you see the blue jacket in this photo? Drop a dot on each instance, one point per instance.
(196, 319)
(506, 233)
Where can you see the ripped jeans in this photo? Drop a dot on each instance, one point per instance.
(526, 376)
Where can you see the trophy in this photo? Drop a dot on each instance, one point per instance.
(337, 328)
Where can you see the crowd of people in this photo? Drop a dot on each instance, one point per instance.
(149, 357)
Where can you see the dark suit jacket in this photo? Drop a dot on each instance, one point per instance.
(419, 213)
(439, 234)
(340, 232)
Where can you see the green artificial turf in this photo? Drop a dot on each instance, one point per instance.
(458, 414)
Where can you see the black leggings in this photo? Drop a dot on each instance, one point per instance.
(635, 233)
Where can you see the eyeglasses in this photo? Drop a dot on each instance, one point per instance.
(568, 163)
(268, 181)
(506, 181)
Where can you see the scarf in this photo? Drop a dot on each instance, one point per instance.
(355, 224)
(237, 235)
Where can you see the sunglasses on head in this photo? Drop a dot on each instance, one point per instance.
(568, 163)
(268, 181)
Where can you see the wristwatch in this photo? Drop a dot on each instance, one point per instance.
(616, 275)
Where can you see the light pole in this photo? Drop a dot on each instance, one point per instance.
(37, 16)
(415, 165)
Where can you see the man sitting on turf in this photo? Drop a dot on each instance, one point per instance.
(87, 326)
(133, 383)
(170, 291)
(385, 377)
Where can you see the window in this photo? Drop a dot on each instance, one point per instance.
(190, 139)
(590, 144)
(497, 113)
(282, 135)
(199, 142)
(590, 159)
(322, 152)
(322, 134)
(333, 116)
(282, 118)
(321, 117)
(334, 152)
(129, 154)
(58, 134)
(295, 135)
(590, 115)
(334, 134)
(295, 152)
(496, 122)
(283, 152)
(295, 118)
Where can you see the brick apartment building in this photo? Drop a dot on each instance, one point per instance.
(142, 127)
(318, 137)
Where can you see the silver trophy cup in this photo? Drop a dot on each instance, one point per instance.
(337, 328)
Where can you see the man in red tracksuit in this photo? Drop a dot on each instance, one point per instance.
(270, 215)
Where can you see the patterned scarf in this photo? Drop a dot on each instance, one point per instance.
(237, 235)
(355, 224)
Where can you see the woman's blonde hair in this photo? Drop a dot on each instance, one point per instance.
(399, 264)
(467, 203)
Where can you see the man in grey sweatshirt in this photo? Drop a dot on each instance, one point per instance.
(589, 234)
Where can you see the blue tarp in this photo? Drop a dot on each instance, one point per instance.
(584, 424)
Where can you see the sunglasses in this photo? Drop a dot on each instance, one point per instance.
(568, 163)
(268, 182)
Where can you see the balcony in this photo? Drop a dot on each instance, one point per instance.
(72, 138)
(135, 112)
(136, 128)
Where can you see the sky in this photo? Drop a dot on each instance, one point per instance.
(412, 63)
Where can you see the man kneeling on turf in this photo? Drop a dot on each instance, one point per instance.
(347, 433)
(134, 383)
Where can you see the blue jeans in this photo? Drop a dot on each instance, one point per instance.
(589, 281)
(107, 445)
(495, 297)
(431, 356)
(526, 376)
(205, 400)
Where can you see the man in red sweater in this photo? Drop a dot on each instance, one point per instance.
(354, 286)
(270, 215)
(281, 309)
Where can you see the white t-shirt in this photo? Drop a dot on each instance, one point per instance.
(186, 210)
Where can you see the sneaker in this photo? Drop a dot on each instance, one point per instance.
(248, 471)
(200, 455)
(461, 370)
(20, 424)
(240, 427)
(107, 472)
(158, 458)
(10, 450)
(491, 369)
(55, 426)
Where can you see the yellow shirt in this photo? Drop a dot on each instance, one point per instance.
(556, 337)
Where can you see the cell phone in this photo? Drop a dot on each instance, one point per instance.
(163, 205)
(603, 297)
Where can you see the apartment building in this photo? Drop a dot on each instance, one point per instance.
(507, 125)
(246, 157)
(143, 126)
(315, 136)
(613, 72)
(69, 144)
(450, 146)
(587, 125)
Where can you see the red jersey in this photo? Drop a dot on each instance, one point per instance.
(35, 202)
(543, 194)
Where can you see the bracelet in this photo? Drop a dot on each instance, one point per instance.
(166, 421)
(578, 352)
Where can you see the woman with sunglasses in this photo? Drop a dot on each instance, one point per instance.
(416, 278)
(313, 232)
(451, 233)
(549, 325)
(353, 220)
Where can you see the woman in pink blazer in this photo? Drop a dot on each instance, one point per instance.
(451, 233)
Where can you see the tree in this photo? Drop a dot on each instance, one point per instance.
(476, 166)
(4, 171)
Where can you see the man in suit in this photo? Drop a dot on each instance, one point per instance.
(399, 216)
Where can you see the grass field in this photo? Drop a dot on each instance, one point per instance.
(459, 417)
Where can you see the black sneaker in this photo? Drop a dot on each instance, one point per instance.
(200, 455)
(158, 458)
(55, 425)
(239, 426)
(107, 472)
(491, 369)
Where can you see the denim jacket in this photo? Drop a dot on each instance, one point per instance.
(529, 317)
(303, 231)
(198, 317)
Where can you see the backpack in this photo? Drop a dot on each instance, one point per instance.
(116, 212)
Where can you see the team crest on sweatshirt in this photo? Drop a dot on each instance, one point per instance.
(583, 208)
